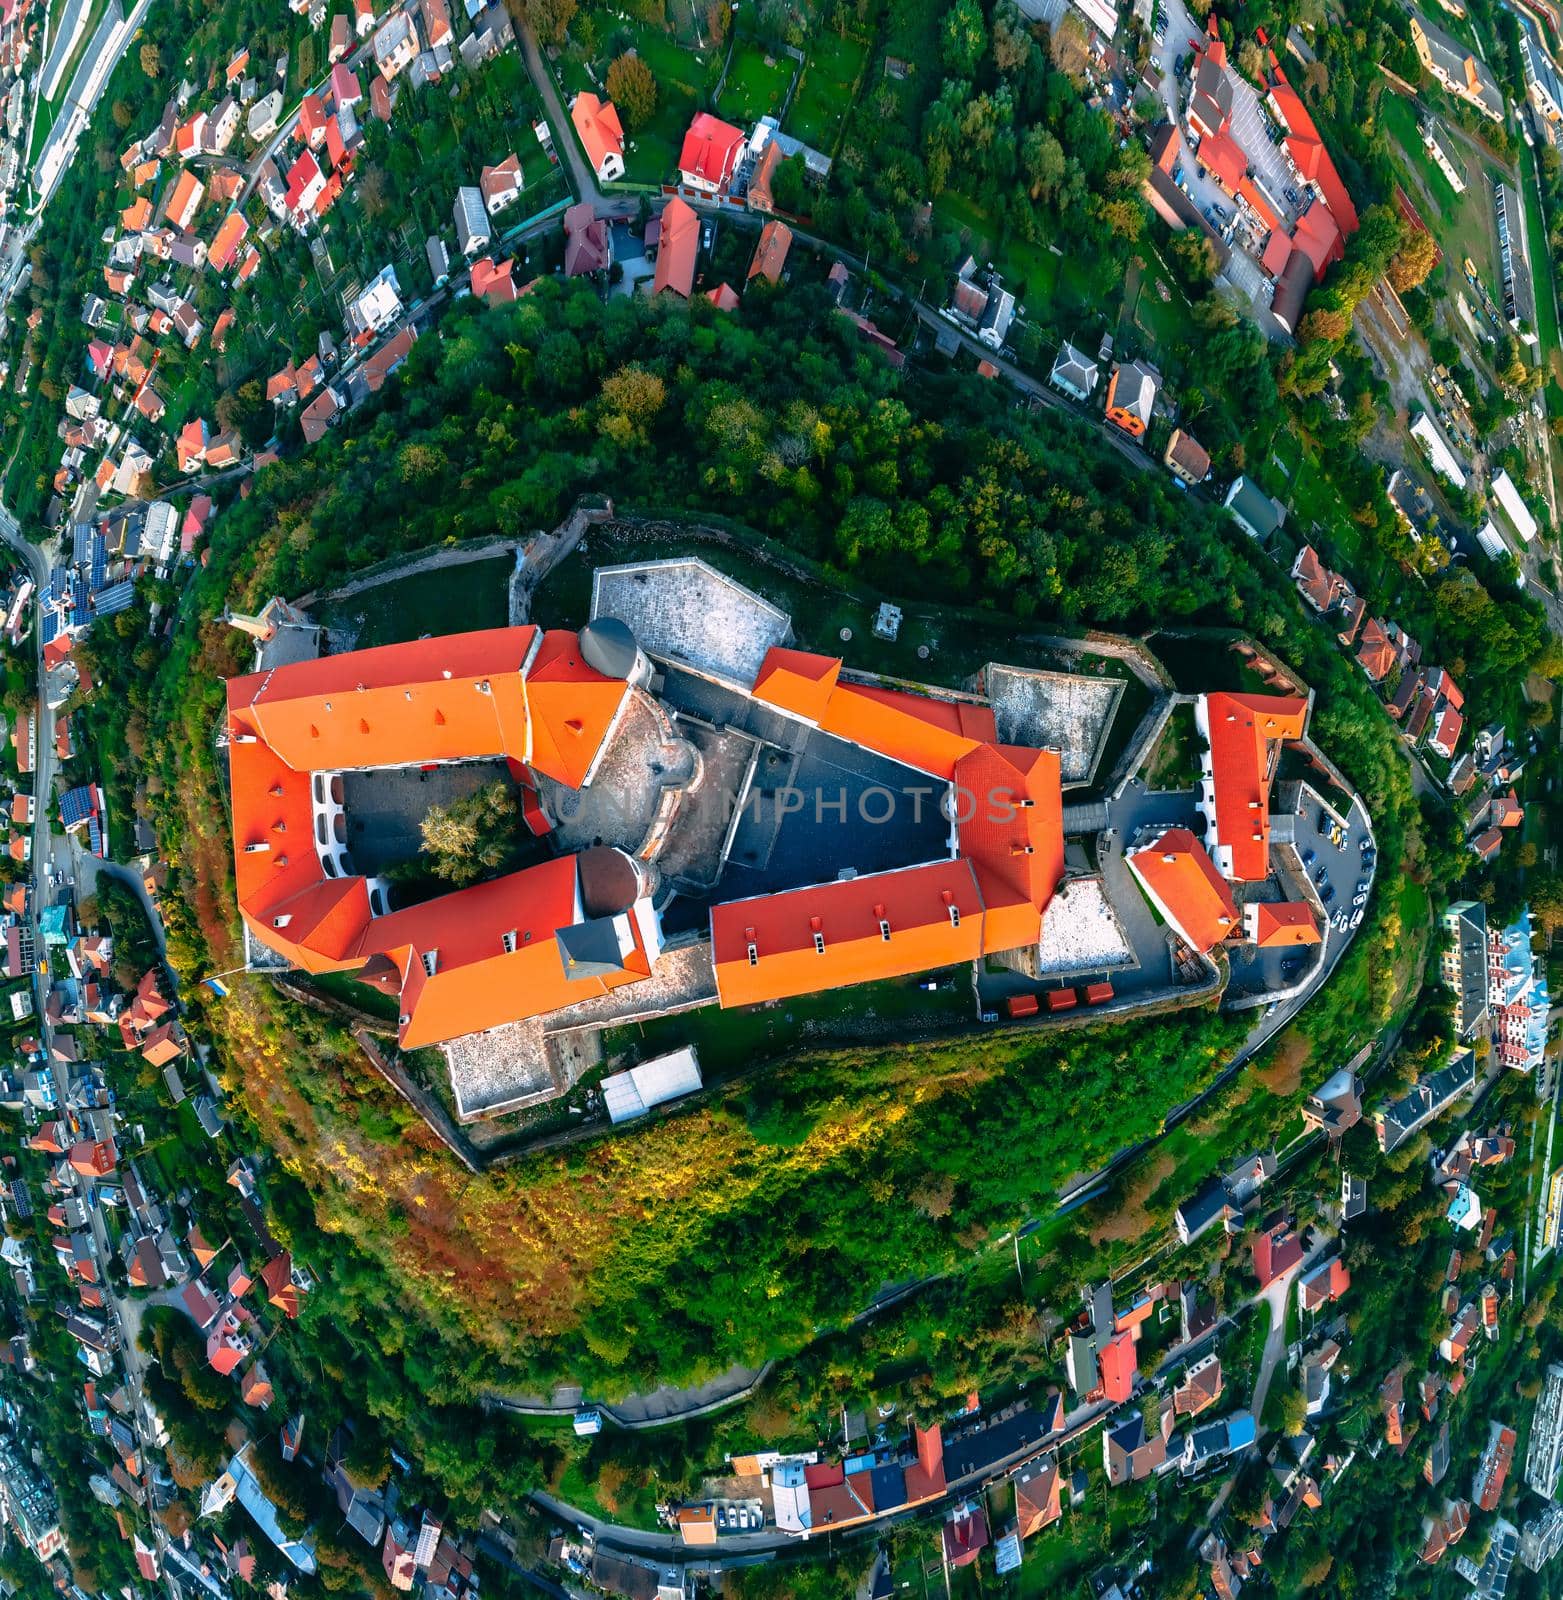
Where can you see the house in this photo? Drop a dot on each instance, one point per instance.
(263, 117)
(1186, 458)
(395, 45)
(1038, 1488)
(1326, 1282)
(226, 241)
(1277, 1250)
(472, 230)
(341, 38)
(317, 416)
(1131, 397)
(492, 281)
(1210, 1205)
(306, 185)
(770, 255)
(185, 201)
(437, 30)
(1201, 1387)
(601, 134)
(1242, 735)
(711, 152)
(1492, 1471)
(1214, 1441)
(1336, 1105)
(1464, 74)
(1259, 515)
(501, 185)
(1130, 1451)
(588, 244)
(1322, 589)
(1454, 1344)
(965, 1534)
(437, 252)
(678, 246)
(310, 128)
(1074, 373)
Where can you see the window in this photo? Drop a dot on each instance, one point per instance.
(754, 955)
(431, 960)
(955, 916)
(819, 944)
(884, 930)
(509, 942)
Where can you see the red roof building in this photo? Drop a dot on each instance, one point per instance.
(678, 246)
(711, 153)
(1242, 733)
(1119, 1367)
(1181, 881)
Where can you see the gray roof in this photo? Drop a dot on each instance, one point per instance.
(1252, 506)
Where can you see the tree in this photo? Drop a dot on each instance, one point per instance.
(787, 186)
(633, 90)
(963, 38)
(151, 61)
(550, 18)
(1069, 46)
(121, 114)
(1042, 162)
(471, 836)
(1011, 38)
(1413, 260)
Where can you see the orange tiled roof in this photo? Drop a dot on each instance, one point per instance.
(1283, 922)
(830, 935)
(597, 122)
(1183, 883)
(1240, 729)
(1010, 824)
(678, 244)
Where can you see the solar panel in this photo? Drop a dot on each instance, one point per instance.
(94, 836)
(48, 625)
(100, 567)
(117, 597)
(81, 542)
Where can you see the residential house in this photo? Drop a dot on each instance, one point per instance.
(1463, 73)
(601, 134)
(678, 247)
(1259, 515)
(395, 45)
(501, 185)
(1131, 396)
(588, 244)
(711, 154)
(1074, 373)
(1186, 458)
(472, 229)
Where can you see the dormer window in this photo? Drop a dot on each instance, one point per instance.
(431, 960)
(509, 942)
(884, 930)
(754, 955)
(955, 916)
(819, 944)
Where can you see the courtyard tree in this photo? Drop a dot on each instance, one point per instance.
(465, 839)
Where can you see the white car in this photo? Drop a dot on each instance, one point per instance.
(1357, 918)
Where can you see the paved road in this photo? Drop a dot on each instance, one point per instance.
(582, 178)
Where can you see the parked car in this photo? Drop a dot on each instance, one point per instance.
(1328, 895)
(1309, 857)
(1356, 917)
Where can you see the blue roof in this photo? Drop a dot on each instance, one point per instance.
(100, 566)
(48, 625)
(77, 805)
(81, 541)
(117, 597)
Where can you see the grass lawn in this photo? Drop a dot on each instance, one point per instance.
(1047, 284)
(684, 79)
(1463, 224)
(453, 600)
(1541, 273)
(820, 108)
(756, 83)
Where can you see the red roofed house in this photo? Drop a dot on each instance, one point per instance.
(1242, 734)
(1181, 881)
(226, 241)
(601, 135)
(1276, 1251)
(711, 153)
(227, 1344)
(311, 128)
(345, 90)
(678, 245)
(1119, 1367)
(1037, 1496)
(1326, 1282)
(185, 201)
(493, 282)
(965, 1535)
(306, 185)
(770, 255)
(501, 185)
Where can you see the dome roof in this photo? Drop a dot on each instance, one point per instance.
(608, 646)
(610, 881)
